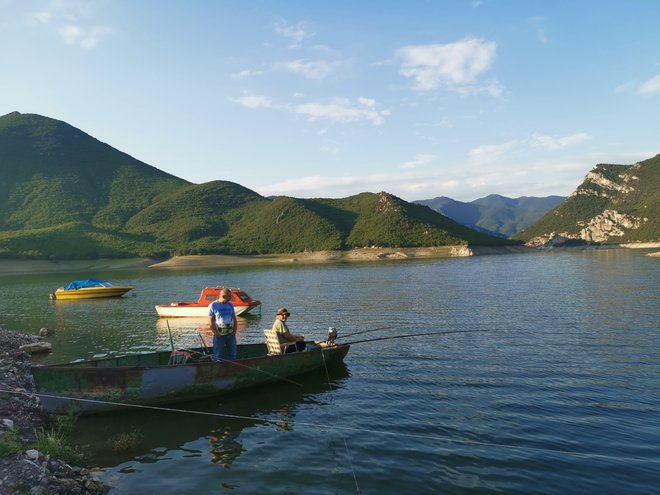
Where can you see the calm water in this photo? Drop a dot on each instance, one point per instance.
(553, 386)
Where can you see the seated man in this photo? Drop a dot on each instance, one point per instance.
(279, 327)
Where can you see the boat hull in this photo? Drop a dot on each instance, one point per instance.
(92, 292)
(148, 380)
(192, 310)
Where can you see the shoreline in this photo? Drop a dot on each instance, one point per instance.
(374, 254)
(24, 469)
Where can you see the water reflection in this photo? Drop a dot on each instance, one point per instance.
(217, 422)
(191, 332)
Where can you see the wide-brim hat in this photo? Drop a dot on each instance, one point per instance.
(283, 311)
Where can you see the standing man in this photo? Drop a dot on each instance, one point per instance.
(222, 321)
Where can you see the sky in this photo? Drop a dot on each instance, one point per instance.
(327, 99)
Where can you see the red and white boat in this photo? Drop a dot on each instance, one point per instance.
(239, 298)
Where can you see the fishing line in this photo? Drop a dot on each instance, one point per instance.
(352, 429)
(348, 452)
(416, 335)
(367, 331)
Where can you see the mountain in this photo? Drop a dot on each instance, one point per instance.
(52, 173)
(495, 215)
(615, 204)
(66, 195)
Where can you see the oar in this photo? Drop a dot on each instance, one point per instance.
(415, 335)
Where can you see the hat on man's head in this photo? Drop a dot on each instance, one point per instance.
(283, 311)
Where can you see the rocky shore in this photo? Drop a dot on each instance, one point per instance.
(28, 471)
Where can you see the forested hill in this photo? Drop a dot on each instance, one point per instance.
(615, 204)
(494, 214)
(66, 195)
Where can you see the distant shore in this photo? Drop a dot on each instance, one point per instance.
(17, 267)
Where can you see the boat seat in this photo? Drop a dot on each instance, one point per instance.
(275, 343)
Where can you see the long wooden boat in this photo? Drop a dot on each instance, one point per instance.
(239, 298)
(156, 378)
(91, 288)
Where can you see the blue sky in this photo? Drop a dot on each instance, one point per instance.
(332, 98)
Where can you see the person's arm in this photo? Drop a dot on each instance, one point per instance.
(292, 337)
(214, 331)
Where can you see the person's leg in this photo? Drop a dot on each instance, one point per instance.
(217, 349)
(300, 346)
(231, 346)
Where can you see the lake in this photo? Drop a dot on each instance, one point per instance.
(545, 380)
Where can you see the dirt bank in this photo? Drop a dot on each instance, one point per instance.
(353, 255)
(19, 267)
(22, 468)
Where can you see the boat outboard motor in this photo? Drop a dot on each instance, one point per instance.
(332, 335)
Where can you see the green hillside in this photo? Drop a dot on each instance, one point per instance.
(615, 204)
(383, 219)
(494, 214)
(52, 173)
(66, 195)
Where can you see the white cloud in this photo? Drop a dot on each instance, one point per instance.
(464, 182)
(651, 86)
(343, 110)
(296, 33)
(85, 38)
(494, 153)
(314, 69)
(246, 73)
(552, 143)
(454, 66)
(537, 23)
(63, 17)
(419, 160)
(255, 101)
(491, 153)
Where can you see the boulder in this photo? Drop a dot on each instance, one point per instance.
(46, 332)
(35, 347)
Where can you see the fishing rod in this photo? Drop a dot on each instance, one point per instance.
(414, 335)
(367, 331)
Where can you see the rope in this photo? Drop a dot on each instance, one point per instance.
(354, 429)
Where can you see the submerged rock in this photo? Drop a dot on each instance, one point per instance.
(36, 347)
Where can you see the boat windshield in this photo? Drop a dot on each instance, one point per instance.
(90, 282)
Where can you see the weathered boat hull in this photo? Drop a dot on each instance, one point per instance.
(92, 292)
(108, 384)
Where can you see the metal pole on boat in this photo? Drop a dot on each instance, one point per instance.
(206, 350)
(169, 330)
